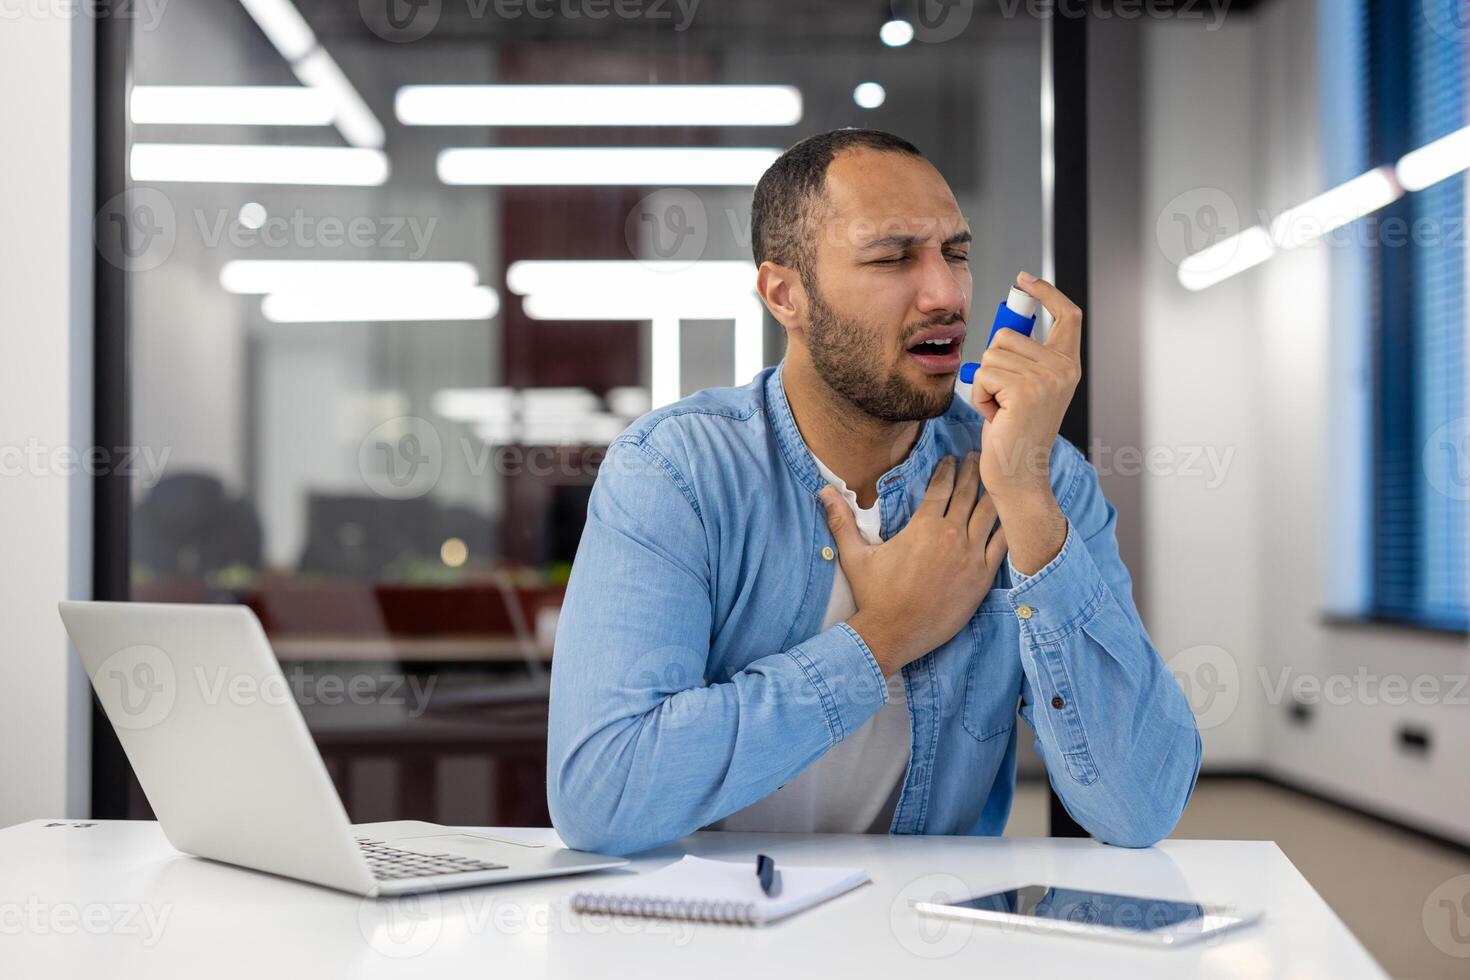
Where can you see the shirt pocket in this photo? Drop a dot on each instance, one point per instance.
(993, 679)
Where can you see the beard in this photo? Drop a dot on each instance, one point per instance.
(850, 358)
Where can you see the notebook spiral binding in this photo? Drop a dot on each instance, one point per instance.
(735, 913)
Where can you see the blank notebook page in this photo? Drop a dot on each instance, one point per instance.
(719, 891)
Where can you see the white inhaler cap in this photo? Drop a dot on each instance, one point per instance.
(1022, 304)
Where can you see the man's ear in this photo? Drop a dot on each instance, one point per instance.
(781, 290)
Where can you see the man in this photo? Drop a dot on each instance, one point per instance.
(788, 610)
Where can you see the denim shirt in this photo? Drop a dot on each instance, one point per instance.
(691, 676)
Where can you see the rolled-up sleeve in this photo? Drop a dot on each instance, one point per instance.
(1119, 739)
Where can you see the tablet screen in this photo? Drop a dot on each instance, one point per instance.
(1105, 909)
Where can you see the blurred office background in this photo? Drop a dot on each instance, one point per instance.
(386, 297)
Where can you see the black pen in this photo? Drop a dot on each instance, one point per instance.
(765, 870)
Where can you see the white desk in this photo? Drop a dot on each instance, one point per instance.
(114, 900)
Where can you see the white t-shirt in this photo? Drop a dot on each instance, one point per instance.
(854, 787)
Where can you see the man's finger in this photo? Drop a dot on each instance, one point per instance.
(841, 522)
(995, 551)
(983, 519)
(1007, 360)
(966, 487)
(1066, 328)
(941, 485)
(1016, 343)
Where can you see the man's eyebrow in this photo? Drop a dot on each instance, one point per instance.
(907, 241)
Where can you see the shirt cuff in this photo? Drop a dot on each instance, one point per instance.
(1059, 598)
(848, 681)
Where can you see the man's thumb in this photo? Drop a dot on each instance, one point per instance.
(840, 520)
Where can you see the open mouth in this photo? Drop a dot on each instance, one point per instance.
(938, 355)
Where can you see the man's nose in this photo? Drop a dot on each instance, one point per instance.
(941, 287)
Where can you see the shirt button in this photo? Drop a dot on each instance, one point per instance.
(1057, 702)
(1024, 611)
(828, 553)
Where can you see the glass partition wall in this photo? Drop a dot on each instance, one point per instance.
(396, 274)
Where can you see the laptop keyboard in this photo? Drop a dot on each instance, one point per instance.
(388, 863)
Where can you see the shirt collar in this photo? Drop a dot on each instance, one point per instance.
(919, 462)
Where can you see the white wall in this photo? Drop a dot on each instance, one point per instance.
(45, 386)
(1203, 547)
(1247, 363)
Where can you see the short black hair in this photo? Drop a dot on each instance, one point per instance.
(788, 191)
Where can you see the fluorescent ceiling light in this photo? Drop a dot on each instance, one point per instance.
(1434, 161)
(308, 275)
(1332, 209)
(229, 105)
(605, 166)
(354, 119)
(1225, 258)
(323, 306)
(896, 33)
(665, 293)
(584, 279)
(598, 105)
(217, 163)
(283, 25)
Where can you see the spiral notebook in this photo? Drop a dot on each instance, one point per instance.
(719, 891)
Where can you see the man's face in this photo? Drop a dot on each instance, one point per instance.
(889, 285)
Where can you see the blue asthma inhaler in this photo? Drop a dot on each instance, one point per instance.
(1017, 313)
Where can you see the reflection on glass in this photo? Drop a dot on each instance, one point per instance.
(405, 282)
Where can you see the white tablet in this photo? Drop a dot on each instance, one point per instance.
(1053, 910)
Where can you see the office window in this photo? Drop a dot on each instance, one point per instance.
(392, 288)
(1403, 288)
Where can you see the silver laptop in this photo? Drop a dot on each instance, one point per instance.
(224, 756)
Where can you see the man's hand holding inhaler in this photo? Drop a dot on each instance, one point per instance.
(917, 589)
